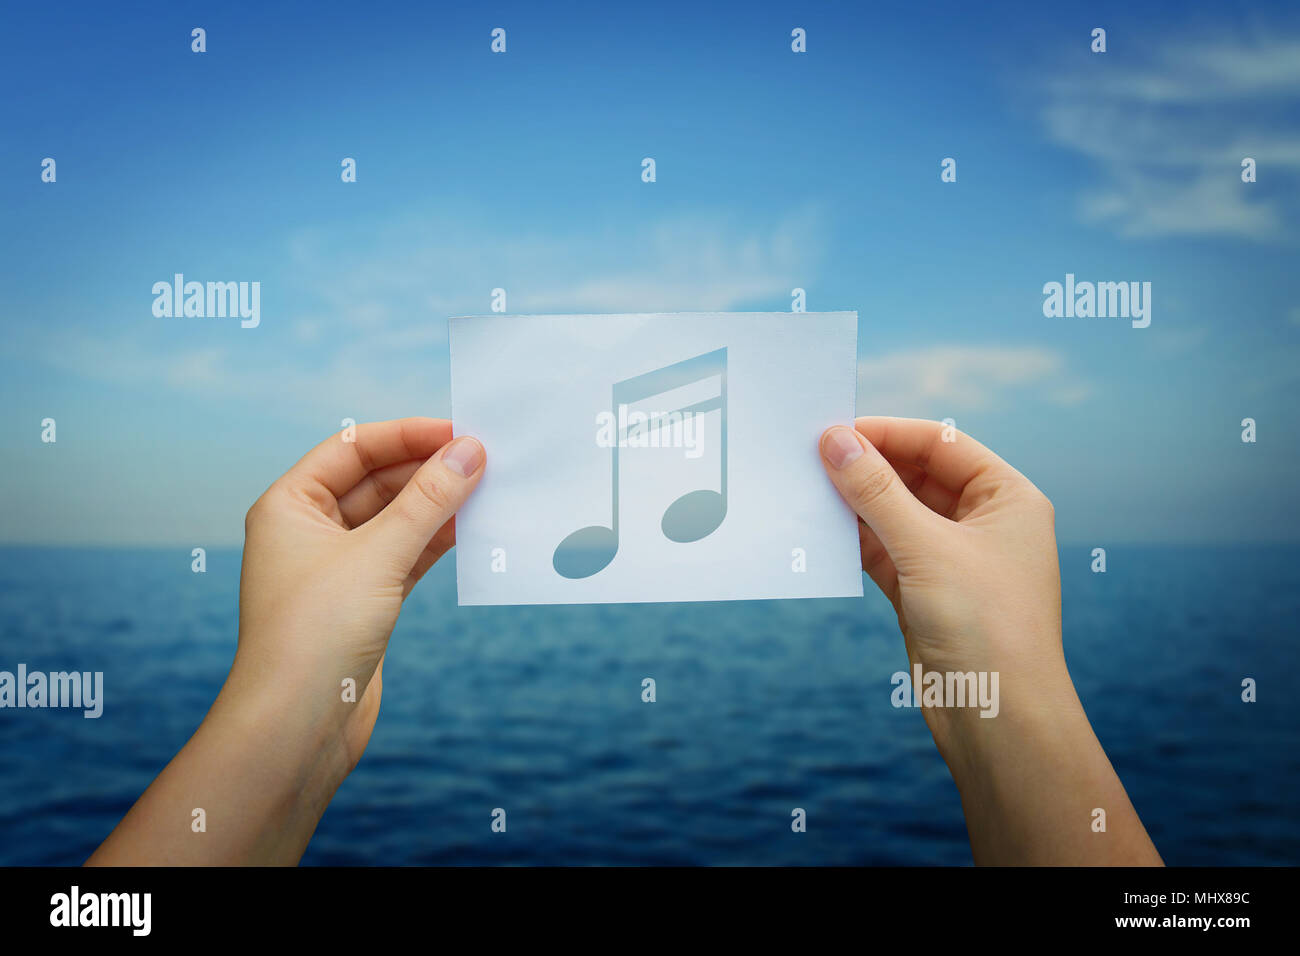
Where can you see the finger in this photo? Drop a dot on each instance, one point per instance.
(877, 562)
(440, 544)
(930, 492)
(913, 441)
(371, 494)
(338, 465)
(873, 489)
(403, 530)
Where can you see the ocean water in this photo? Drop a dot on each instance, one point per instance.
(762, 707)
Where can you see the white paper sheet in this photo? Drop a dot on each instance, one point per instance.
(726, 499)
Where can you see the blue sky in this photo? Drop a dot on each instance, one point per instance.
(775, 170)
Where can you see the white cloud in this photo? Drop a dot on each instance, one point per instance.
(1143, 205)
(944, 380)
(367, 336)
(690, 265)
(1198, 71)
(420, 272)
(1169, 135)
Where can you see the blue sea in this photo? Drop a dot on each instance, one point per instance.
(762, 707)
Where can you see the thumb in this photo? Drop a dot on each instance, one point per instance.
(432, 495)
(872, 488)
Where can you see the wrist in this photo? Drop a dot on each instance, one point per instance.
(1036, 710)
(290, 736)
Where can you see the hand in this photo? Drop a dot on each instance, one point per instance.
(961, 543)
(331, 550)
(964, 547)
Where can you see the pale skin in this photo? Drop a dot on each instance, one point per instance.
(960, 542)
(964, 547)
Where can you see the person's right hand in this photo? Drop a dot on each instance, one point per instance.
(964, 547)
(960, 542)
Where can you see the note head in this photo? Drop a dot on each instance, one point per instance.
(585, 552)
(694, 515)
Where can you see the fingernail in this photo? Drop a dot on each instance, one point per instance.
(463, 456)
(841, 446)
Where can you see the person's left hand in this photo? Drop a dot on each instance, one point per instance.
(331, 549)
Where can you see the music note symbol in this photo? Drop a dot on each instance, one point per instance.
(696, 514)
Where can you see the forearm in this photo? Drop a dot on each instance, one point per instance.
(1032, 778)
(261, 777)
